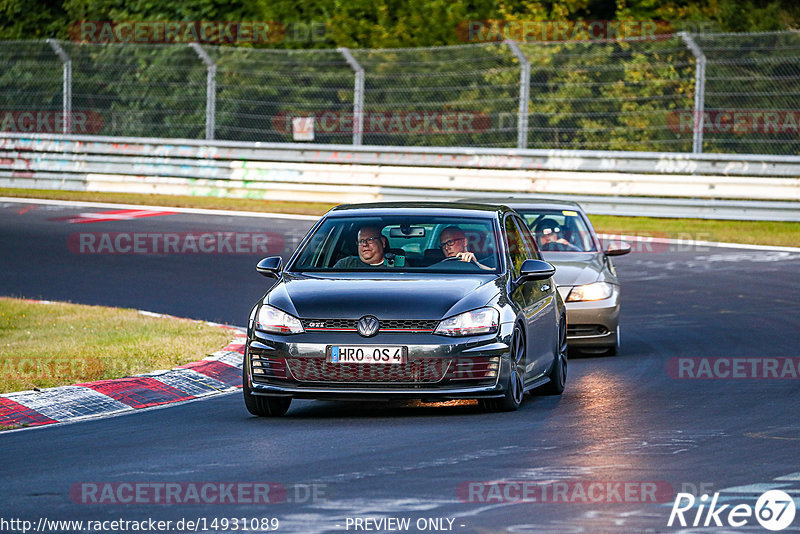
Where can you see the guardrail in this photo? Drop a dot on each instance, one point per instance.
(622, 183)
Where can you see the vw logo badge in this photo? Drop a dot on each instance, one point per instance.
(368, 326)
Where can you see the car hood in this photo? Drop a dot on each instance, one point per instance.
(390, 295)
(575, 269)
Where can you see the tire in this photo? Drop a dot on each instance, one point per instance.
(613, 351)
(558, 374)
(515, 388)
(260, 405)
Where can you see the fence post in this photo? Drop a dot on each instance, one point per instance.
(699, 91)
(358, 96)
(211, 90)
(524, 93)
(66, 104)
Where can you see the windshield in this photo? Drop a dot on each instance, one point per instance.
(559, 230)
(406, 244)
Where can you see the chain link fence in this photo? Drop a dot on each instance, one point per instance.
(718, 93)
(752, 93)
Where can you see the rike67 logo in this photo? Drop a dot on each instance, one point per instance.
(774, 510)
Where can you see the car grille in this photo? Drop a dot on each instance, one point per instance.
(413, 371)
(329, 324)
(387, 325)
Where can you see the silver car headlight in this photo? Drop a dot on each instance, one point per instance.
(594, 291)
(269, 319)
(480, 321)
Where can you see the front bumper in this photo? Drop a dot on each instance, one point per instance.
(593, 323)
(438, 367)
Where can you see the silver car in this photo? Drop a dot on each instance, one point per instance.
(585, 274)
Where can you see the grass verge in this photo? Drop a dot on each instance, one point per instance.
(752, 232)
(216, 203)
(786, 234)
(45, 345)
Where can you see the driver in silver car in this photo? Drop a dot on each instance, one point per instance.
(550, 236)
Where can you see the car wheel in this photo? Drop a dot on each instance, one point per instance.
(260, 405)
(515, 388)
(558, 374)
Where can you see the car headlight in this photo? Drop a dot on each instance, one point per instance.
(273, 320)
(481, 321)
(595, 291)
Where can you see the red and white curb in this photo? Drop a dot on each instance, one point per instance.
(113, 215)
(218, 373)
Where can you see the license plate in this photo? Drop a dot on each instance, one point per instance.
(367, 354)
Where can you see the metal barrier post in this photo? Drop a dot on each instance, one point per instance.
(524, 93)
(211, 90)
(699, 91)
(66, 104)
(358, 96)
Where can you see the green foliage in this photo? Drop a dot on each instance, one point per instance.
(609, 96)
(19, 20)
(391, 23)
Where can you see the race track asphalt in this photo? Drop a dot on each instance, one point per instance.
(624, 419)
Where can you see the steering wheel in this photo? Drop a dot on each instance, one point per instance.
(458, 263)
(559, 247)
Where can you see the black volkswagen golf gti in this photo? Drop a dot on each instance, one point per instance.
(426, 301)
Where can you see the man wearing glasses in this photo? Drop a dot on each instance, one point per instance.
(371, 245)
(453, 242)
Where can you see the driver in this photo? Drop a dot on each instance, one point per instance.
(548, 231)
(371, 245)
(453, 242)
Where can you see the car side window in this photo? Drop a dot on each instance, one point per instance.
(530, 242)
(516, 247)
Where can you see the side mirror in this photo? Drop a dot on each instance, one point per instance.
(535, 270)
(270, 267)
(617, 248)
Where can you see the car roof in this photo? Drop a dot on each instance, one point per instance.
(417, 208)
(531, 203)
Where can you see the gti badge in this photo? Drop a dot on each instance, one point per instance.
(368, 326)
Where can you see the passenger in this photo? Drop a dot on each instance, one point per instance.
(453, 242)
(371, 245)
